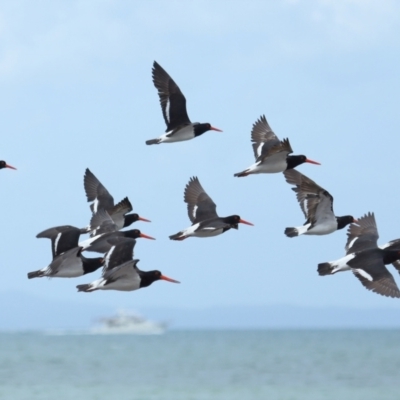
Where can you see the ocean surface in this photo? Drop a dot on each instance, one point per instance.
(245, 365)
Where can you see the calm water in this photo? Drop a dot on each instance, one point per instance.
(276, 365)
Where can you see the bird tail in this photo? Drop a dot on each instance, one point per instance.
(241, 174)
(153, 141)
(35, 274)
(325, 269)
(291, 232)
(178, 236)
(85, 288)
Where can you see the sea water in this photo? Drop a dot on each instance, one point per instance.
(245, 365)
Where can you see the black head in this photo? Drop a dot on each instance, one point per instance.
(135, 233)
(294, 161)
(148, 277)
(344, 221)
(3, 164)
(390, 256)
(199, 129)
(234, 221)
(131, 218)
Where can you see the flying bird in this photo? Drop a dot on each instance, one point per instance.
(68, 262)
(121, 273)
(102, 199)
(317, 206)
(271, 154)
(366, 260)
(105, 229)
(203, 215)
(173, 106)
(3, 164)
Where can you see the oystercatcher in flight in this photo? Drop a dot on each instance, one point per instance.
(272, 154)
(68, 262)
(121, 273)
(202, 212)
(173, 106)
(317, 206)
(105, 230)
(102, 199)
(365, 259)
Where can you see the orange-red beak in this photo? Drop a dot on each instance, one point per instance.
(215, 129)
(142, 235)
(165, 278)
(144, 219)
(245, 222)
(312, 162)
(9, 166)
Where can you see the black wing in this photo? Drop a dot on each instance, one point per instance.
(315, 202)
(200, 205)
(62, 238)
(172, 100)
(362, 236)
(265, 142)
(101, 222)
(382, 282)
(96, 192)
(120, 252)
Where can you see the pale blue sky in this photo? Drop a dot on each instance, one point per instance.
(76, 92)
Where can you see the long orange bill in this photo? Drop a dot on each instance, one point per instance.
(215, 129)
(312, 162)
(144, 219)
(165, 278)
(142, 235)
(355, 221)
(245, 222)
(9, 166)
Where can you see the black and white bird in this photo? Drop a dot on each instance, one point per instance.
(317, 206)
(271, 154)
(202, 212)
(121, 273)
(102, 199)
(365, 259)
(68, 262)
(103, 228)
(3, 164)
(173, 106)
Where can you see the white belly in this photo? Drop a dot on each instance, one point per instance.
(186, 133)
(271, 165)
(203, 233)
(323, 229)
(125, 285)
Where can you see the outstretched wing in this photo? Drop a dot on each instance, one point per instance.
(126, 271)
(199, 204)
(62, 238)
(362, 236)
(315, 202)
(120, 252)
(265, 142)
(172, 100)
(96, 192)
(381, 282)
(101, 222)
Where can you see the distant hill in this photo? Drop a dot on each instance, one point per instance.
(25, 312)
